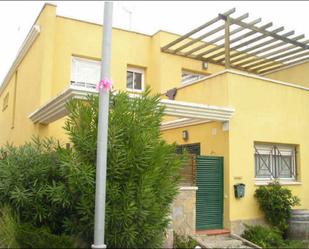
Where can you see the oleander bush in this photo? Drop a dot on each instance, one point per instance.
(34, 195)
(32, 183)
(50, 189)
(142, 171)
(14, 234)
(28, 236)
(8, 228)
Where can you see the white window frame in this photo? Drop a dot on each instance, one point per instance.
(82, 85)
(264, 149)
(192, 73)
(136, 70)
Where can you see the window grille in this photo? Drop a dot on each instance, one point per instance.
(275, 161)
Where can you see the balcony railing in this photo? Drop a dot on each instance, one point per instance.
(84, 85)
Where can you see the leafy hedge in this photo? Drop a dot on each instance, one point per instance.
(51, 189)
(32, 183)
(14, 234)
(142, 173)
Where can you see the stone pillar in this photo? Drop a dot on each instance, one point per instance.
(183, 211)
(169, 237)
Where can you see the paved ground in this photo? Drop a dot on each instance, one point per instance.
(220, 241)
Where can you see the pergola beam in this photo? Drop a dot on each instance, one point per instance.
(273, 59)
(261, 53)
(266, 56)
(212, 42)
(263, 49)
(263, 31)
(247, 43)
(278, 67)
(197, 29)
(233, 41)
(282, 61)
(194, 57)
(200, 38)
(227, 43)
(170, 51)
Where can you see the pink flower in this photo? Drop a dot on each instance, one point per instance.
(104, 84)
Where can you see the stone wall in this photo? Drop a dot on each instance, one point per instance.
(183, 211)
(182, 215)
(238, 226)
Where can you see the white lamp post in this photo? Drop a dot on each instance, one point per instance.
(100, 196)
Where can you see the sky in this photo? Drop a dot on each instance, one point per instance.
(17, 17)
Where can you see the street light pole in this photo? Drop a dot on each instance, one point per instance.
(100, 196)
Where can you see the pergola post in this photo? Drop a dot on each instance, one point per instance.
(227, 43)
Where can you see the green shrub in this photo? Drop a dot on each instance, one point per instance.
(263, 236)
(30, 237)
(270, 238)
(142, 170)
(52, 189)
(13, 234)
(276, 202)
(181, 241)
(295, 244)
(8, 228)
(33, 185)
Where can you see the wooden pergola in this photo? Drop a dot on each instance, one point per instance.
(233, 43)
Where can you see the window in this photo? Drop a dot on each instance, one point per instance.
(194, 149)
(85, 73)
(275, 161)
(135, 79)
(187, 77)
(5, 103)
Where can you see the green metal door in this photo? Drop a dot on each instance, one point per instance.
(209, 196)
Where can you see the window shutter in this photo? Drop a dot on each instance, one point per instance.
(85, 71)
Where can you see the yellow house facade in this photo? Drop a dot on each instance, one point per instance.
(255, 123)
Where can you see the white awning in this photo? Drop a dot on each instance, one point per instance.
(188, 113)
